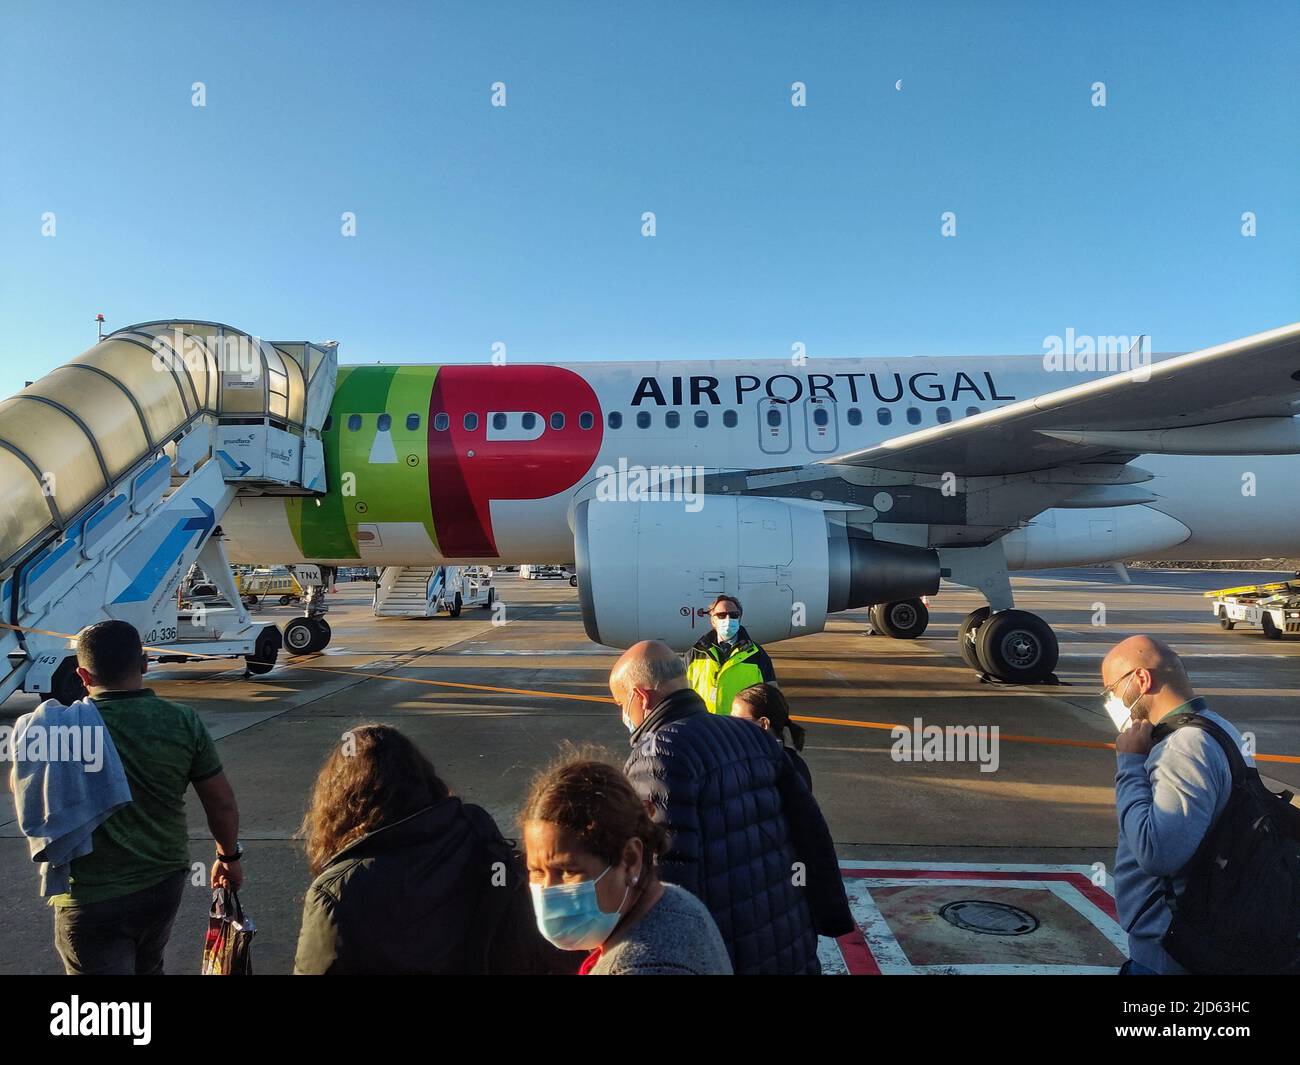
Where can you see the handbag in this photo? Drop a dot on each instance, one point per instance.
(228, 945)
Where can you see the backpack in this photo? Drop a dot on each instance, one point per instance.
(1240, 909)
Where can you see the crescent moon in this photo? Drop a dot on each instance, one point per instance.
(899, 85)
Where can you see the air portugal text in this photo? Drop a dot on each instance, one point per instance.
(926, 386)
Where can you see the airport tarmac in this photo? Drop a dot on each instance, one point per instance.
(492, 703)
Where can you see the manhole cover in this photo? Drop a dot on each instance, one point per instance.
(989, 918)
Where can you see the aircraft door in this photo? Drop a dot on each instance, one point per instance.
(821, 425)
(774, 425)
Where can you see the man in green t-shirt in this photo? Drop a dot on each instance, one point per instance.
(118, 913)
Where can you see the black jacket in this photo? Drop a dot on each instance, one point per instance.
(740, 817)
(439, 892)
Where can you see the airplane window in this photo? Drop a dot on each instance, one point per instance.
(615, 420)
(774, 417)
(672, 419)
(821, 417)
(528, 421)
(643, 419)
(329, 423)
(855, 416)
(702, 418)
(499, 421)
(354, 422)
(913, 416)
(413, 421)
(557, 420)
(385, 422)
(585, 420)
(972, 410)
(441, 421)
(943, 414)
(884, 416)
(471, 422)
(729, 419)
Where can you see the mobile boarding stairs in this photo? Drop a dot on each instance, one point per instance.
(115, 472)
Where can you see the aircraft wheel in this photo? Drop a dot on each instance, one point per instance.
(968, 633)
(65, 685)
(905, 619)
(1271, 631)
(322, 631)
(456, 604)
(299, 636)
(265, 651)
(1017, 647)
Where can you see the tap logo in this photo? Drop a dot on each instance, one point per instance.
(526, 432)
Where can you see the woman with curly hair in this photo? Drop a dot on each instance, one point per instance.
(410, 879)
(591, 848)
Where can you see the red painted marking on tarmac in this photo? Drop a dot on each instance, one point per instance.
(1094, 894)
(858, 958)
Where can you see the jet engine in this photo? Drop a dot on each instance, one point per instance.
(650, 569)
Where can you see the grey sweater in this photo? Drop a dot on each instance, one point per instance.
(1166, 800)
(677, 937)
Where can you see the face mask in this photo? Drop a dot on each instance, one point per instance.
(1118, 711)
(627, 722)
(569, 915)
(726, 628)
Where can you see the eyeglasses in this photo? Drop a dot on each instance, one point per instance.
(1111, 686)
(726, 615)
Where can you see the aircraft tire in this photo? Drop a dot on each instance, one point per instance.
(904, 619)
(968, 635)
(1017, 647)
(299, 636)
(65, 685)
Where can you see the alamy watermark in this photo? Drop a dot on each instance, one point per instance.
(633, 483)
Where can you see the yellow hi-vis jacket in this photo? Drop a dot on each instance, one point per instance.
(717, 681)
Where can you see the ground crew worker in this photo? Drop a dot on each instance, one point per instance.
(725, 659)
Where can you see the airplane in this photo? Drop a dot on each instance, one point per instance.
(804, 487)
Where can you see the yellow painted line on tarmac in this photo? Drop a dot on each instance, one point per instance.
(1043, 740)
(843, 722)
(456, 684)
(1046, 741)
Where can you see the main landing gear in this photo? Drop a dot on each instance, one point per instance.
(905, 619)
(1012, 646)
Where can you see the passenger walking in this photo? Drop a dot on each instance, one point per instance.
(592, 851)
(1172, 785)
(724, 660)
(746, 836)
(116, 916)
(408, 878)
(766, 706)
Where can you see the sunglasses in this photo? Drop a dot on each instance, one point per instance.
(726, 615)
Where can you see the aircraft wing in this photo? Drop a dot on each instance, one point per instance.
(1235, 398)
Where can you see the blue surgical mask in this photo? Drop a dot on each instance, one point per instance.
(727, 628)
(569, 915)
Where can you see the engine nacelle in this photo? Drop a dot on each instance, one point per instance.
(649, 570)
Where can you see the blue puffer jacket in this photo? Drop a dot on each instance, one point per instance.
(739, 817)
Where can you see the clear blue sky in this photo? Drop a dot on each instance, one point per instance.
(522, 224)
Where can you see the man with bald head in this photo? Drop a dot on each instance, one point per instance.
(746, 836)
(1169, 788)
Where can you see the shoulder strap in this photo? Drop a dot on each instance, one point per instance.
(1236, 761)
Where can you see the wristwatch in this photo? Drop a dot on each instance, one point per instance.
(228, 858)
